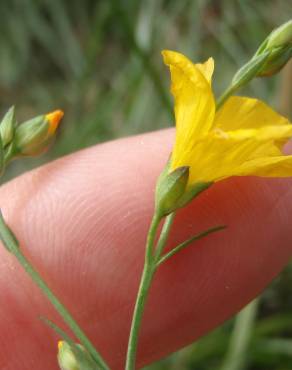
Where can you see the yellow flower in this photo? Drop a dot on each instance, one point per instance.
(244, 138)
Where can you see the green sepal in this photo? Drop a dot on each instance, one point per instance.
(278, 57)
(31, 137)
(169, 189)
(7, 127)
(10, 153)
(193, 192)
(2, 165)
(163, 175)
(249, 70)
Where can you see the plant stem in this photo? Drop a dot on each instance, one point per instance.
(164, 235)
(150, 266)
(226, 94)
(12, 245)
(147, 276)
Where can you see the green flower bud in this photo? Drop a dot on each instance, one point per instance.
(66, 357)
(279, 46)
(276, 61)
(34, 136)
(7, 126)
(74, 358)
(271, 56)
(169, 189)
(281, 36)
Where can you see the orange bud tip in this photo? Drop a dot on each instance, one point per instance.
(60, 344)
(54, 119)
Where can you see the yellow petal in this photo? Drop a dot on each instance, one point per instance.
(277, 134)
(218, 156)
(280, 166)
(207, 69)
(194, 103)
(241, 113)
(54, 119)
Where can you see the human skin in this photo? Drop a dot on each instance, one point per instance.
(82, 221)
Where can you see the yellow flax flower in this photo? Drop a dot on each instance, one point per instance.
(244, 138)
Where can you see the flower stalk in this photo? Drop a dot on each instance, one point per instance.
(152, 255)
(28, 139)
(146, 279)
(10, 242)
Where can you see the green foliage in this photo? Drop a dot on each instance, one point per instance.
(100, 62)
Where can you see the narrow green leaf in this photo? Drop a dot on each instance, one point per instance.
(7, 236)
(58, 330)
(189, 241)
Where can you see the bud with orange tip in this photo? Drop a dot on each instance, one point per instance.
(34, 136)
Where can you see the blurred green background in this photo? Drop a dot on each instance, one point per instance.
(100, 62)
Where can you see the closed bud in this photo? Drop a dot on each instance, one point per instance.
(170, 188)
(271, 56)
(74, 357)
(34, 136)
(7, 127)
(281, 36)
(276, 61)
(66, 357)
(279, 46)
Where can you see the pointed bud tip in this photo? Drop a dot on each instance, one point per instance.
(54, 119)
(281, 36)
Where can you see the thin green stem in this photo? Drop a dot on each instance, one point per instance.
(151, 238)
(164, 235)
(146, 279)
(226, 94)
(12, 245)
